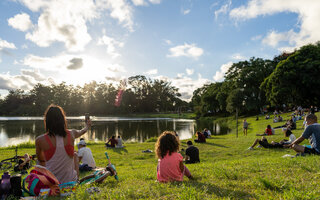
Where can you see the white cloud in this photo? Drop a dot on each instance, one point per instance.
(168, 42)
(111, 44)
(33, 73)
(144, 2)
(185, 12)
(238, 56)
(308, 17)
(88, 67)
(188, 85)
(119, 9)
(219, 76)
(66, 21)
(152, 72)
(187, 50)
(21, 22)
(257, 37)
(62, 21)
(189, 71)
(25, 81)
(139, 2)
(6, 45)
(223, 10)
(155, 1)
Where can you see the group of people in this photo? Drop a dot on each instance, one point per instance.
(311, 132)
(55, 150)
(170, 162)
(114, 143)
(202, 136)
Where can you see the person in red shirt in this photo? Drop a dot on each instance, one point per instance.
(170, 162)
(113, 142)
(267, 132)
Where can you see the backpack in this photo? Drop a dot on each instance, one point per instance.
(40, 178)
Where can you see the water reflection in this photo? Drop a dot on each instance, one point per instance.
(15, 130)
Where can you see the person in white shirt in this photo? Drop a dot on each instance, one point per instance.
(85, 156)
(119, 145)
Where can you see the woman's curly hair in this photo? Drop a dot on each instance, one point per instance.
(166, 143)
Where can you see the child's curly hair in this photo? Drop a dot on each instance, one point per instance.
(167, 142)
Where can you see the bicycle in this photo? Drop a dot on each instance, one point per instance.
(99, 175)
(6, 164)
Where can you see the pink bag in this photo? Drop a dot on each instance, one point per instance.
(40, 178)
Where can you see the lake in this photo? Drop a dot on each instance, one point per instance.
(16, 130)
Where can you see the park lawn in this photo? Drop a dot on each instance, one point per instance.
(227, 170)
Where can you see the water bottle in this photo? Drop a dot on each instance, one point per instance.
(5, 185)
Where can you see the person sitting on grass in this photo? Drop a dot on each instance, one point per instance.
(209, 132)
(119, 140)
(268, 131)
(201, 138)
(264, 142)
(192, 154)
(312, 132)
(85, 156)
(170, 163)
(113, 142)
(55, 148)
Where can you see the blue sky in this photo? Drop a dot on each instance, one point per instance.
(186, 42)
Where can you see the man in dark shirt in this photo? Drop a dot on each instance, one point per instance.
(192, 153)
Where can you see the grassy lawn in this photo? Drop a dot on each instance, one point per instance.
(227, 170)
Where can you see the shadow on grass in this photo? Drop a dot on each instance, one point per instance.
(220, 192)
(119, 150)
(214, 144)
(215, 138)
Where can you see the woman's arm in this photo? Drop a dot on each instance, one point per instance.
(181, 166)
(40, 156)
(78, 133)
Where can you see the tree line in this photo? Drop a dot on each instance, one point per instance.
(290, 79)
(142, 95)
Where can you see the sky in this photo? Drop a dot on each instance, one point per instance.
(187, 42)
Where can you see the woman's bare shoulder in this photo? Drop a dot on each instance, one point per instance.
(40, 138)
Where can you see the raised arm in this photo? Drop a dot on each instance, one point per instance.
(78, 133)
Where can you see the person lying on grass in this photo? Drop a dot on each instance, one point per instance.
(170, 162)
(264, 142)
(268, 131)
(312, 132)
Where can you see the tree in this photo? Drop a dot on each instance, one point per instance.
(296, 79)
(248, 76)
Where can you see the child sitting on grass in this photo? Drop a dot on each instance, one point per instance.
(170, 162)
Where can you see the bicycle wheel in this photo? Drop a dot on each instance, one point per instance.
(5, 165)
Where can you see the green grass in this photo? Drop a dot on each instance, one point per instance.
(227, 170)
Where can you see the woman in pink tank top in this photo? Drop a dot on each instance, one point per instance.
(55, 148)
